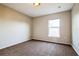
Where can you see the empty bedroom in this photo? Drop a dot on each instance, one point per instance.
(39, 29)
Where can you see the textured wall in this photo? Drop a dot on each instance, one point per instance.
(40, 28)
(75, 27)
(14, 27)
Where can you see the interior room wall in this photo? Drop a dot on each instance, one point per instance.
(75, 27)
(40, 27)
(14, 27)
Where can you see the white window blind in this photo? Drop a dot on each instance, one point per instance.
(54, 28)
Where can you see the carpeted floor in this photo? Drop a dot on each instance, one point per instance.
(38, 48)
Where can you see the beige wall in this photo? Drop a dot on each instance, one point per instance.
(40, 28)
(75, 27)
(14, 27)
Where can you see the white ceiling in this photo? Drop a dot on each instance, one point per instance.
(43, 9)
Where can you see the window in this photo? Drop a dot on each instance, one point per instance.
(54, 28)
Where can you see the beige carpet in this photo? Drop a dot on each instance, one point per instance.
(38, 48)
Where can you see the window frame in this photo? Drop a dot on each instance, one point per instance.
(55, 27)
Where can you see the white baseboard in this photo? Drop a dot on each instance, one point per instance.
(75, 50)
(51, 41)
(13, 44)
